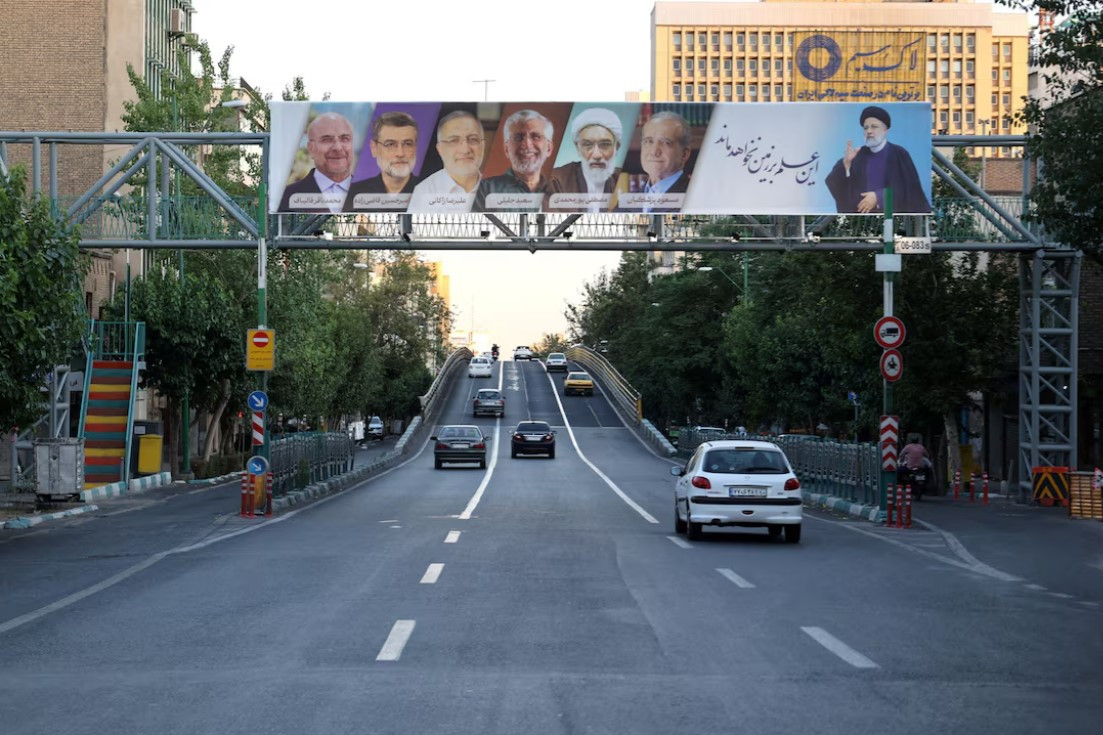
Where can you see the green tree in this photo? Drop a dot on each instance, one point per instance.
(1064, 124)
(41, 312)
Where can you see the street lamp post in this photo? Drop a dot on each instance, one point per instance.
(743, 289)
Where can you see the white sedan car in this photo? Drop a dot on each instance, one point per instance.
(737, 483)
(480, 367)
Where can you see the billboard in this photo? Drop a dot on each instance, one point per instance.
(859, 66)
(578, 157)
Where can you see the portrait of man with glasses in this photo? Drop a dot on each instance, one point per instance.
(597, 134)
(393, 145)
(461, 144)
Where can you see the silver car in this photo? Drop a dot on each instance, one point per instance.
(459, 444)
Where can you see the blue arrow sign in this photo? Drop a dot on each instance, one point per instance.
(257, 465)
(258, 400)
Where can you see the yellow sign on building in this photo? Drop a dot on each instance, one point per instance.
(859, 66)
(260, 349)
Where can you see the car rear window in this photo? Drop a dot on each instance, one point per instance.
(557, 356)
(479, 361)
(532, 426)
(744, 461)
(578, 376)
(457, 432)
(489, 395)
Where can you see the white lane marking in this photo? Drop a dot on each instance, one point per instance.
(112, 581)
(432, 574)
(490, 465)
(680, 542)
(396, 641)
(570, 432)
(959, 549)
(978, 569)
(1085, 603)
(78, 596)
(735, 579)
(452, 537)
(525, 385)
(1035, 587)
(594, 413)
(389, 520)
(840, 649)
(1062, 595)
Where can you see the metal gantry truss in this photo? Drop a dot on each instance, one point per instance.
(137, 204)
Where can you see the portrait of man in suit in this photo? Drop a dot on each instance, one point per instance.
(330, 146)
(528, 137)
(462, 146)
(393, 145)
(664, 152)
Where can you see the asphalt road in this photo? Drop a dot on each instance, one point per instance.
(537, 596)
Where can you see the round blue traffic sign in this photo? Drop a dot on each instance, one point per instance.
(257, 465)
(258, 400)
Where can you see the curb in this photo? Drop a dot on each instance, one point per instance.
(337, 482)
(137, 485)
(216, 480)
(31, 521)
(870, 513)
(656, 437)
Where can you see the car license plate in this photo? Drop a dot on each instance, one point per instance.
(532, 438)
(746, 492)
(461, 446)
(920, 477)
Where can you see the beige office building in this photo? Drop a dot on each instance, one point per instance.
(971, 61)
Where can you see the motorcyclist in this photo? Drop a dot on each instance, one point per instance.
(915, 466)
(494, 351)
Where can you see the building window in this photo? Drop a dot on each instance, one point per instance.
(957, 68)
(765, 67)
(752, 91)
(779, 40)
(971, 69)
(1007, 51)
(714, 90)
(944, 92)
(689, 42)
(995, 75)
(689, 93)
(788, 91)
(677, 89)
(777, 91)
(754, 41)
(930, 91)
(702, 40)
(728, 92)
(1006, 99)
(1007, 75)
(727, 40)
(944, 67)
(1006, 124)
(1005, 151)
(715, 41)
(932, 41)
(740, 67)
(956, 118)
(766, 92)
(970, 92)
(740, 39)
(715, 66)
(995, 100)
(931, 71)
(727, 67)
(944, 41)
(995, 52)
(701, 91)
(739, 91)
(969, 118)
(677, 40)
(778, 67)
(957, 42)
(971, 41)
(957, 93)
(942, 116)
(754, 67)
(689, 67)
(677, 67)
(766, 42)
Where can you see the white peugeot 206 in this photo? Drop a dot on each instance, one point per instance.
(737, 483)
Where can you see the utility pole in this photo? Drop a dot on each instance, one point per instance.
(486, 86)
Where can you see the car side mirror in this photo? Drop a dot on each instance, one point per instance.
(432, 438)
(677, 471)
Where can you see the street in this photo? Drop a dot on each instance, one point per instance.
(544, 596)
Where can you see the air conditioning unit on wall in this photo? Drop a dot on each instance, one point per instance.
(178, 22)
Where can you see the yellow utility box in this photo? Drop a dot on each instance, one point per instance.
(149, 453)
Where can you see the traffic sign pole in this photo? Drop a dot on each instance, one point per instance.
(886, 477)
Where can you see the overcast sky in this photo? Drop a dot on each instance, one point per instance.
(428, 50)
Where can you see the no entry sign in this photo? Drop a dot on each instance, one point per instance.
(260, 349)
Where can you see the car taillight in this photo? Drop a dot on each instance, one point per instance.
(548, 437)
(701, 482)
(518, 437)
(792, 484)
(480, 445)
(441, 445)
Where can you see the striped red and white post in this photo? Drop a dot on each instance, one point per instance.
(258, 428)
(268, 497)
(957, 483)
(984, 496)
(244, 493)
(891, 497)
(908, 507)
(899, 506)
(973, 480)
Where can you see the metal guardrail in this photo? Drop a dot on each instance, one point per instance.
(842, 469)
(429, 400)
(298, 460)
(613, 383)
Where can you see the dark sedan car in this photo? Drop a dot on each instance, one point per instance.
(459, 444)
(533, 437)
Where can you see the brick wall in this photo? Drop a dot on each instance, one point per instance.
(52, 53)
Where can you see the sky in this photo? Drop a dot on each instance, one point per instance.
(428, 50)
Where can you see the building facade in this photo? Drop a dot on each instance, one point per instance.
(974, 72)
(64, 68)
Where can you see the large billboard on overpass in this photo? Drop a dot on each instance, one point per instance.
(578, 157)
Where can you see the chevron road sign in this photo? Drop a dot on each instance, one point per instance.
(890, 442)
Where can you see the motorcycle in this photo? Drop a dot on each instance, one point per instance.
(494, 351)
(920, 479)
